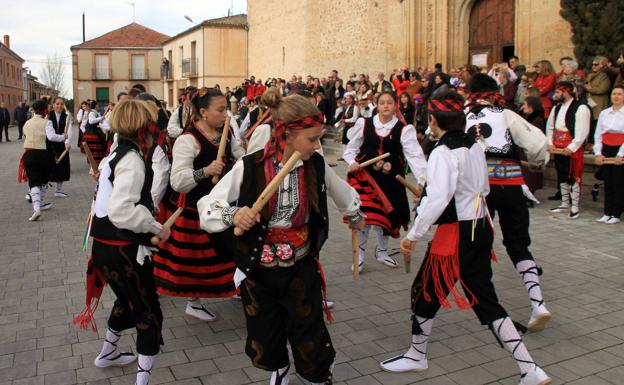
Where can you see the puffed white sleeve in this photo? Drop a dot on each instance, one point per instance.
(174, 128)
(356, 139)
(528, 137)
(234, 126)
(600, 128)
(185, 150)
(70, 129)
(215, 212)
(123, 210)
(345, 197)
(160, 166)
(441, 184)
(235, 146)
(51, 134)
(550, 128)
(94, 118)
(414, 154)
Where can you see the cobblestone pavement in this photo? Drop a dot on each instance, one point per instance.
(42, 288)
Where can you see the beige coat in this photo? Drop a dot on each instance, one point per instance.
(600, 87)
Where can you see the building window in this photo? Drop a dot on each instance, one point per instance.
(181, 54)
(138, 67)
(102, 70)
(102, 96)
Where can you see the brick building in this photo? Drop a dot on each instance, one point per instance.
(11, 81)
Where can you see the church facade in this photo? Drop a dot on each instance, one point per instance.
(368, 36)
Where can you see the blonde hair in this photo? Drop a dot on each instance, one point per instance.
(289, 108)
(130, 116)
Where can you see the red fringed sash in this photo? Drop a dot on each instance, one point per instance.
(561, 139)
(21, 169)
(328, 313)
(442, 265)
(95, 286)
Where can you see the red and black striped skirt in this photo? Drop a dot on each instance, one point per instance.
(382, 206)
(189, 264)
(96, 145)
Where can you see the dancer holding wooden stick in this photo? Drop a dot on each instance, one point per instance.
(461, 249)
(384, 200)
(276, 257)
(60, 122)
(193, 264)
(122, 227)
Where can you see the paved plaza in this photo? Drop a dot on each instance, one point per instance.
(42, 271)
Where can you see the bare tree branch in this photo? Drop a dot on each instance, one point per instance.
(52, 73)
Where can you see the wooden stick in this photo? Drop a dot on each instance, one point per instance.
(222, 145)
(610, 161)
(558, 151)
(532, 167)
(90, 158)
(168, 223)
(355, 250)
(60, 158)
(271, 188)
(407, 259)
(374, 160)
(413, 189)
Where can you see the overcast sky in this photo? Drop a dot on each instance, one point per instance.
(46, 27)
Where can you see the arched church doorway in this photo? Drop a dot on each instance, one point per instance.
(491, 31)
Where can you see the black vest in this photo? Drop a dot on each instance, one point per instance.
(348, 113)
(373, 143)
(59, 129)
(103, 228)
(248, 247)
(570, 118)
(207, 154)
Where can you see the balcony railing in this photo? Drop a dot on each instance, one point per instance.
(166, 72)
(189, 68)
(138, 74)
(101, 73)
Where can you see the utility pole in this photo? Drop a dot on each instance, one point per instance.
(83, 27)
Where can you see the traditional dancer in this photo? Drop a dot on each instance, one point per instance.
(277, 264)
(191, 264)
(384, 200)
(461, 249)
(61, 123)
(609, 142)
(93, 135)
(35, 162)
(122, 227)
(567, 129)
(501, 132)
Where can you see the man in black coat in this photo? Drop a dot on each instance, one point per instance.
(5, 119)
(21, 116)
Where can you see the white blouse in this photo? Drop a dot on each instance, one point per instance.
(460, 173)
(411, 148)
(211, 206)
(581, 125)
(610, 120)
(123, 210)
(50, 127)
(185, 150)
